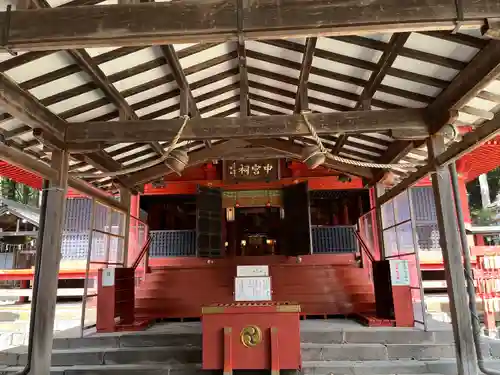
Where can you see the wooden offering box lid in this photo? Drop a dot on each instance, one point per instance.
(251, 307)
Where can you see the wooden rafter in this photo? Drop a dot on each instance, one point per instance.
(121, 75)
(391, 51)
(469, 141)
(174, 63)
(323, 73)
(468, 83)
(301, 98)
(291, 95)
(28, 109)
(403, 51)
(359, 63)
(252, 127)
(85, 62)
(172, 22)
(459, 38)
(243, 70)
(483, 68)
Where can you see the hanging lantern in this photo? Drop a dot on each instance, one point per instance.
(177, 160)
(313, 157)
(230, 214)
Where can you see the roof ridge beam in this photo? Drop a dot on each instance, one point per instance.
(174, 22)
(252, 127)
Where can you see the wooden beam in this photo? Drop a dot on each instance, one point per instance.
(483, 68)
(470, 141)
(295, 151)
(180, 78)
(28, 109)
(242, 60)
(174, 63)
(250, 127)
(174, 22)
(397, 151)
(464, 39)
(195, 158)
(360, 63)
(330, 75)
(403, 51)
(85, 62)
(301, 98)
(118, 76)
(391, 51)
(21, 160)
(385, 62)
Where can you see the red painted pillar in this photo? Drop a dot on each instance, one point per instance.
(346, 214)
(210, 171)
(24, 284)
(295, 168)
(134, 205)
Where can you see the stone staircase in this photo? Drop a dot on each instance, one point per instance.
(326, 349)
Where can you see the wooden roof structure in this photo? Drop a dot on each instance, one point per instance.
(109, 81)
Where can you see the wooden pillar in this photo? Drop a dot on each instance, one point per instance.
(125, 230)
(451, 248)
(49, 267)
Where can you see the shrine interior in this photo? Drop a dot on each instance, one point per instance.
(257, 222)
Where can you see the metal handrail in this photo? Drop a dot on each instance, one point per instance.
(364, 247)
(142, 254)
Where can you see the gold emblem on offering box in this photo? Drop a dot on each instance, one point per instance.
(251, 336)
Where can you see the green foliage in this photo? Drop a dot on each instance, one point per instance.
(483, 216)
(475, 192)
(18, 192)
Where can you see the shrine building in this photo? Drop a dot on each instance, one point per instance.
(250, 165)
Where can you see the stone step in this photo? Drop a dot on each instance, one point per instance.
(95, 355)
(401, 367)
(129, 369)
(376, 352)
(113, 356)
(310, 368)
(193, 354)
(137, 339)
(354, 336)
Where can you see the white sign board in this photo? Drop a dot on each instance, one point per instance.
(252, 271)
(108, 277)
(252, 289)
(400, 273)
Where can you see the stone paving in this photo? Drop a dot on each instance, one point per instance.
(14, 322)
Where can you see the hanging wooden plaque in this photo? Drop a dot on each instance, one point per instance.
(251, 170)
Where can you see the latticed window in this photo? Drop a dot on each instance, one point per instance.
(424, 209)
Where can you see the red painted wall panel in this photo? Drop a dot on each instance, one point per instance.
(321, 286)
